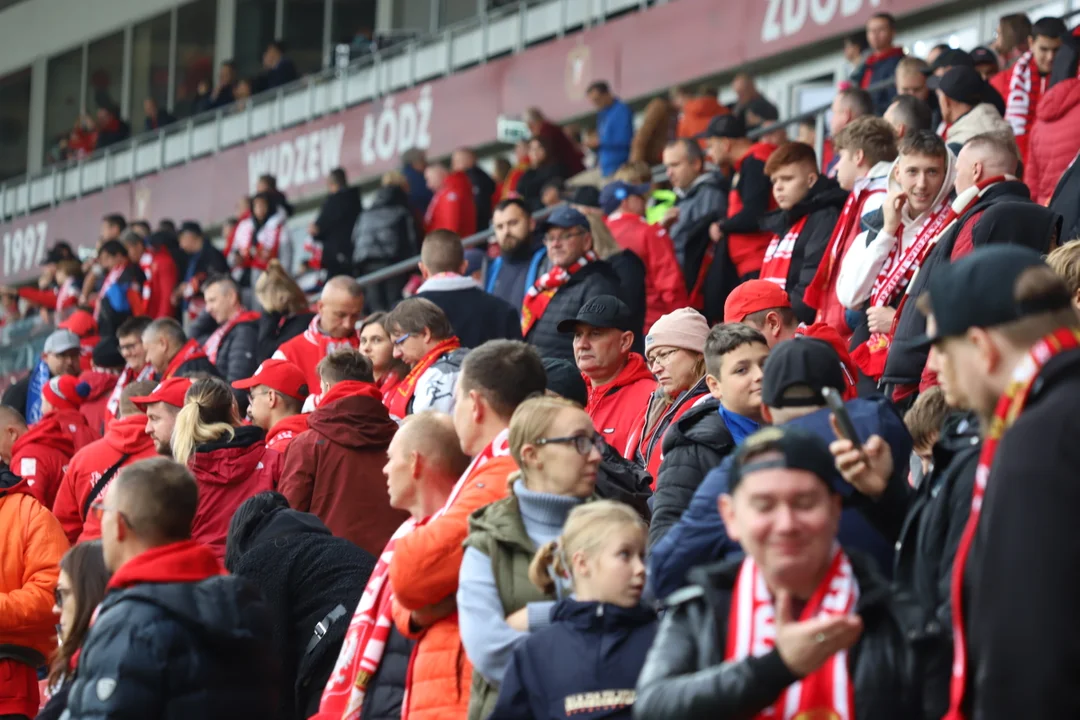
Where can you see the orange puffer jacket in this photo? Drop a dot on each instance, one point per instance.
(424, 571)
(33, 543)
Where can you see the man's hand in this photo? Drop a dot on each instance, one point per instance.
(890, 211)
(519, 620)
(880, 319)
(805, 646)
(670, 217)
(715, 233)
(866, 469)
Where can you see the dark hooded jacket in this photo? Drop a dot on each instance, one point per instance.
(686, 676)
(308, 577)
(596, 278)
(386, 231)
(336, 220)
(334, 469)
(702, 204)
(178, 644)
(276, 329)
(1064, 200)
(600, 650)
(821, 208)
(1005, 214)
(236, 354)
(698, 442)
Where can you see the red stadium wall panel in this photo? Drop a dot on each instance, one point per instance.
(639, 54)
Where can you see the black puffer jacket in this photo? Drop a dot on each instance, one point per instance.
(386, 692)
(631, 271)
(305, 573)
(624, 481)
(693, 446)
(177, 651)
(386, 231)
(596, 278)
(1005, 214)
(1066, 200)
(276, 329)
(236, 354)
(686, 677)
(821, 208)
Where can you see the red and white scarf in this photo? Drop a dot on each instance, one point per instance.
(826, 692)
(127, 375)
(498, 447)
(111, 279)
(327, 344)
(192, 350)
(538, 297)
(397, 402)
(257, 248)
(1009, 407)
(1026, 86)
(146, 264)
(213, 343)
(68, 295)
(777, 261)
(365, 640)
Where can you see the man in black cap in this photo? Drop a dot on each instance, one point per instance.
(961, 94)
(570, 274)
(986, 62)
(742, 241)
(795, 373)
(617, 380)
(1013, 358)
(953, 57)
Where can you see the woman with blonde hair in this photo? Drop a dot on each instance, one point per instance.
(597, 641)
(385, 234)
(286, 310)
(557, 452)
(675, 353)
(229, 460)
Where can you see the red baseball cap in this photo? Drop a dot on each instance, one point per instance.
(171, 391)
(754, 296)
(81, 323)
(280, 375)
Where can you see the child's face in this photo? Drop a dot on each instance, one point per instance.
(739, 386)
(614, 573)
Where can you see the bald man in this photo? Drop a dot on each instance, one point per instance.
(340, 307)
(166, 596)
(464, 160)
(992, 206)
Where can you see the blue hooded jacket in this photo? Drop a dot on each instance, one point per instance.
(700, 537)
(584, 665)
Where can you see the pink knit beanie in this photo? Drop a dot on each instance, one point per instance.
(685, 328)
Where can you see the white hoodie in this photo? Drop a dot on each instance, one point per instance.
(863, 262)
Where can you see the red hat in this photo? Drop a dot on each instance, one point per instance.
(754, 296)
(280, 375)
(81, 323)
(172, 391)
(65, 392)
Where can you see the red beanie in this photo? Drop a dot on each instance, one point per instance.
(65, 392)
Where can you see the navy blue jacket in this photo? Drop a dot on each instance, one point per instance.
(882, 70)
(585, 665)
(700, 537)
(178, 651)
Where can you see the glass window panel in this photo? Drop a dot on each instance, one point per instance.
(302, 32)
(454, 11)
(105, 69)
(63, 95)
(196, 35)
(149, 66)
(413, 15)
(353, 23)
(14, 121)
(254, 31)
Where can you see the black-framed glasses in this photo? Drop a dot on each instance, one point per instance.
(582, 443)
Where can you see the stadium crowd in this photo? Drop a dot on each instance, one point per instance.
(793, 437)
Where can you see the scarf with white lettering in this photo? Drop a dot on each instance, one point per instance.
(111, 279)
(1009, 407)
(826, 692)
(777, 263)
(538, 297)
(257, 246)
(68, 295)
(127, 375)
(1026, 86)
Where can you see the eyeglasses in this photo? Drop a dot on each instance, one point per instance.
(253, 395)
(128, 347)
(582, 443)
(98, 508)
(402, 339)
(555, 239)
(661, 358)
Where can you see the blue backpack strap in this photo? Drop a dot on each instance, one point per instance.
(493, 275)
(534, 267)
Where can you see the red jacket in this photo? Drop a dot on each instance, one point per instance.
(228, 472)
(280, 436)
(1055, 139)
(452, 207)
(334, 469)
(665, 288)
(617, 406)
(161, 280)
(305, 354)
(566, 153)
(40, 456)
(94, 407)
(827, 333)
(126, 436)
(749, 200)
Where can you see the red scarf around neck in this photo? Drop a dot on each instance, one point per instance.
(349, 388)
(178, 562)
(1009, 407)
(191, 351)
(849, 218)
(128, 375)
(868, 67)
(538, 297)
(826, 692)
(315, 335)
(777, 263)
(397, 402)
(1026, 86)
(213, 343)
